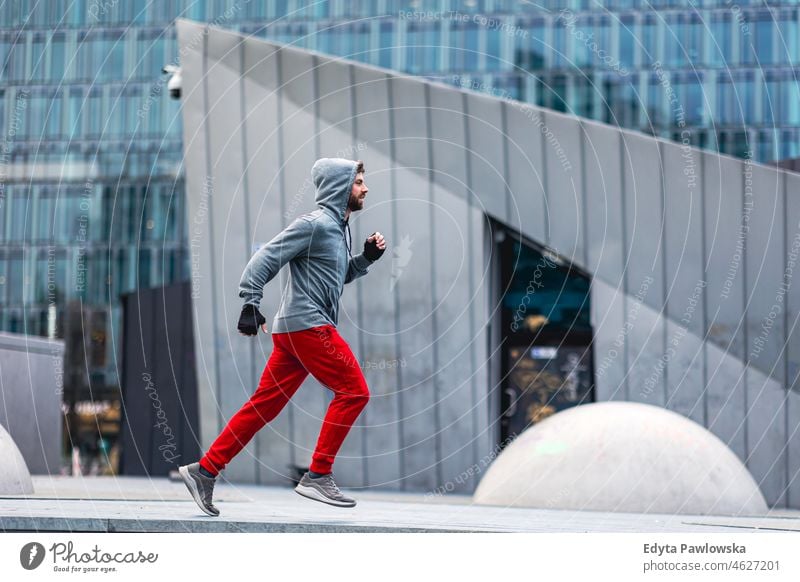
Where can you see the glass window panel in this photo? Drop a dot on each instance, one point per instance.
(17, 62)
(578, 31)
(38, 43)
(14, 283)
(158, 268)
(54, 116)
(92, 113)
(673, 41)
(116, 117)
(57, 54)
(790, 101)
(764, 33)
(74, 114)
(172, 206)
(649, 39)
(583, 97)
(413, 49)
(386, 44)
(771, 100)
(143, 274)
(109, 56)
(174, 121)
(655, 102)
(628, 43)
(83, 57)
(5, 47)
(745, 88)
(790, 148)
(788, 41)
(559, 48)
(689, 91)
(21, 217)
(694, 40)
(720, 47)
(493, 49)
(45, 215)
(602, 55)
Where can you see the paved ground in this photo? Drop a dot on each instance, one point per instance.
(131, 504)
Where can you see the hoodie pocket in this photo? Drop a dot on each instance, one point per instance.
(333, 303)
(332, 296)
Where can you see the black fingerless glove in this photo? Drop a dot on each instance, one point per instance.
(250, 319)
(371, 250)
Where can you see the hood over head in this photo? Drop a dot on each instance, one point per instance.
(333, 178)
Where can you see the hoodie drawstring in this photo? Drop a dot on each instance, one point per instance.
(349, 239)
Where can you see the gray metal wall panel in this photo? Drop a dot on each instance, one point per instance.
(725, 396)
(791, 266)
(765, 330)
(458, 300)
(526, 175)
(447, 127)
(197, 219)
(793, 449)
(378, 317)
(562, 138)
(418, 415)
(641, 160)
(482, 307)
(724, 247)
(485, 156)
(603, 176)
(608, 345)
(30, 403)
(647, 365)
(228, 214)
(766, 436)
(265, 219)
(644, 258)
(334, 105)
(455, 297)
(685, 280)
(792, 384)
(684, 372)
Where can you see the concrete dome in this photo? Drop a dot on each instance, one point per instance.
(621, 456)
(14, 476)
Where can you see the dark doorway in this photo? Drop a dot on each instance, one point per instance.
(546, 356)
(159, 385)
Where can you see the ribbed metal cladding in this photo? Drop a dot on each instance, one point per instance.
(691, 256)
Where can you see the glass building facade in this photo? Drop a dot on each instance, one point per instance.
(92, 191)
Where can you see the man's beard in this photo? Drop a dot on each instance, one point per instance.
(354, 204)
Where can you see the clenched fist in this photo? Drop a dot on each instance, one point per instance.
(250, 320)
(374, 246)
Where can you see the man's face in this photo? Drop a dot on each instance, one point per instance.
(357, 194)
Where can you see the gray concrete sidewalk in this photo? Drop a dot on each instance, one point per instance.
(133, 504)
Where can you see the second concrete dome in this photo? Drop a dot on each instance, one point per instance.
(621, 456)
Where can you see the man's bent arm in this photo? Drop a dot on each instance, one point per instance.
(357, 267)
(268, 260)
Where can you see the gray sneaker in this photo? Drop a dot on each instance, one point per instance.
(323, 489)
(200, 486)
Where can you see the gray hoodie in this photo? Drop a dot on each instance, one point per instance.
(319, 257)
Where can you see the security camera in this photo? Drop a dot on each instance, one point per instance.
(175, 81)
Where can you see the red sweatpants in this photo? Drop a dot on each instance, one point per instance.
(320, 351)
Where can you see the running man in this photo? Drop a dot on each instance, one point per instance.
(317, 247)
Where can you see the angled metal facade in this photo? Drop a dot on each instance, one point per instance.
(691, 256)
